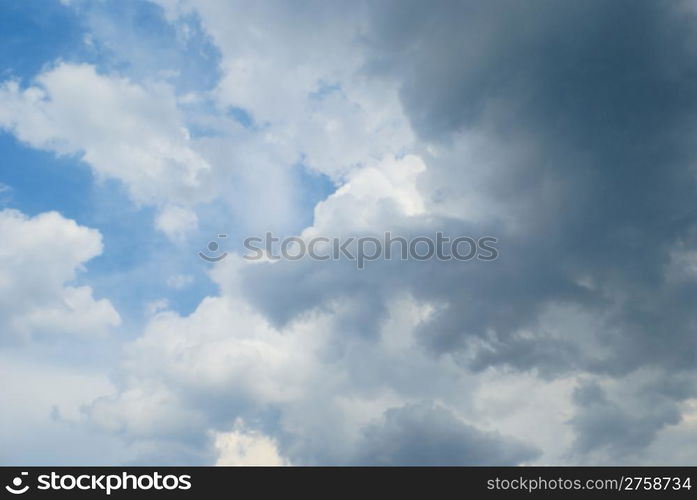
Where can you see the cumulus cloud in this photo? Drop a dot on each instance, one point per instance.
(123, 130)
(311, 386)
(224, 347)
(42, 402)
(176, 222)
(39, 258)
(240, 447)
(618, 419)
(426, 435)
(327, 111)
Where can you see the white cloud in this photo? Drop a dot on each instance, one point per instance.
(244, 447)
(198, 374)
(42, 409)
(146, 411)
(372, 197)
(312, 100)
(156, 306)
(133, 133)
(38, 257)
(225, 343)
(176, 222)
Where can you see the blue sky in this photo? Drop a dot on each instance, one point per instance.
(41, 33)
(134, 132)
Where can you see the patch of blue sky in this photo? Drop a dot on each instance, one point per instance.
(39, 181)
(324, 89)
(313, 187)
(129, 37)
(136, 261)
(242, 116)
(204, 118)
(134, 38)
(35, 33)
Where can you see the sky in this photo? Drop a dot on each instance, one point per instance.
(135, 132)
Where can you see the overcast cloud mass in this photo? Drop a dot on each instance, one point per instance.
(133, 133)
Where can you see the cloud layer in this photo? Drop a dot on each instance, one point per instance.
(564, 130)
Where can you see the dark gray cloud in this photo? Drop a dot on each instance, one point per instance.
(611, 431)
(600, 98)
(587, 166)
(588, 113)
(422, 434)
